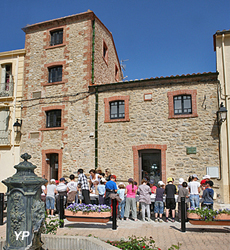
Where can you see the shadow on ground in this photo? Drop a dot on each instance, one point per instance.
(204, 230)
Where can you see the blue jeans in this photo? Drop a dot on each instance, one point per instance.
(122, 207)
(159, 207)
(49, 202)
(194, 200)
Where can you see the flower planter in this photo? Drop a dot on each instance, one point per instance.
(223, 217)
(102, 217)
(193, 216)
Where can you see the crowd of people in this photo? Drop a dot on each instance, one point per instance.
(153, 197)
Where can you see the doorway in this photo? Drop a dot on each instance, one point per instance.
(53, 159)
(150, 165)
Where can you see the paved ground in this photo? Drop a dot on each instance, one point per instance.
(165, 234)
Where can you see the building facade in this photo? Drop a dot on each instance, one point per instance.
(11, 75)
(77, 113)
(222, 48)
(63, 58)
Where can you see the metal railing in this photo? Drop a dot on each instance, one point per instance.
(6, 89)
(4, 137)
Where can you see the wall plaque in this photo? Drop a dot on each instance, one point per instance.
(191, 150)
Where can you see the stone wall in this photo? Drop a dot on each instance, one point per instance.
(72, 140)
(105, 70)
(150, 125)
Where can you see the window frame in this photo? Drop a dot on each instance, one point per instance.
(46, 73)
(107, 102)
(172, 94)
(55, 70)
(49, 108)
(182, 104)
(105, 52)
(48, 33)
(54, 35)
(54, 112)
(118, 112)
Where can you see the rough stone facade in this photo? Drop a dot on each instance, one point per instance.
(71, 141)
(149, 122)
(150, 127)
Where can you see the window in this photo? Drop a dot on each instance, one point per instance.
(117, 110)
(6, 80)
(55, 74)
(4, 125)
(105, 52)
(56, 37)
(116, 73)
(53, 118)
(182, 104)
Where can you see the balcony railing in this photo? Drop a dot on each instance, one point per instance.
(6, 89)
(5, 137)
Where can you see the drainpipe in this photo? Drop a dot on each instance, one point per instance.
(226, 102)
(14, 105)
(96, 99)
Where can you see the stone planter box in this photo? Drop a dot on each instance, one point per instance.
(193, 216)
(223, 217)
(102, 217)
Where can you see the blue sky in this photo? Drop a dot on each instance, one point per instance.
(158, 37)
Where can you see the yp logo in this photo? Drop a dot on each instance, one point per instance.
(24, 234)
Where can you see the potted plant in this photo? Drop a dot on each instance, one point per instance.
(88, 213)
(203, 214)
(223, 214)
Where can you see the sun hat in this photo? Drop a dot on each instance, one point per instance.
(121, 183)
(62, 179)
(161, 183)
(169, 179)
(52, 180)
(103, 180)
(206, 177)
(181, 180)
(195, 176)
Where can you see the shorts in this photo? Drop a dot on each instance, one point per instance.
(159, 207)
(170, 203)
(49, 202)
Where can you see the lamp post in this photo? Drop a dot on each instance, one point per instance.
(221, 114)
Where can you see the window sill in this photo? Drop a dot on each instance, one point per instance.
(117, 120)
(55, 46)
(54, 128)
(53, 83)
(183, 116)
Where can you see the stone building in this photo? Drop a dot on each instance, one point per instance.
(77, 113)
(63, 58)
(222, 48)
(11, 75)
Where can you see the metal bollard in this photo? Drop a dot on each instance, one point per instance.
(1, 207)
(114, 204)
(61, 210)
(183, 226)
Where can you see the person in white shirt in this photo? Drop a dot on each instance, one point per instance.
(50, 199)
(94, 177)
(194, 189)
(62, 190)
(72, 190)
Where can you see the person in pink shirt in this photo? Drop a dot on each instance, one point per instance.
(130, 192)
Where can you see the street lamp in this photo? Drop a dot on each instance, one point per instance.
(221, 114)
(17, 126)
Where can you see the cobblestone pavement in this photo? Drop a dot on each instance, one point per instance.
(164, 234)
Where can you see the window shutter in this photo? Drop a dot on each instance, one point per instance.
(4, 120)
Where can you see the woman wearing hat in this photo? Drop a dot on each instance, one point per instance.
(130, 192)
